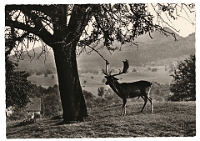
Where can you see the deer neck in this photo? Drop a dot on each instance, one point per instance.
(116, 88)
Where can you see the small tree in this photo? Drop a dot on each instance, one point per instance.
(45, 75)
(101, 91)
(184, 85)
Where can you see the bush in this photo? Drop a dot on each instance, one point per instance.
(154, 70)
(18, 114)
(101, 91)
(51, 105)
(134, 70)
(45, 75)
(104, 80)
(38, 73)
(89, 99)
(47, 71)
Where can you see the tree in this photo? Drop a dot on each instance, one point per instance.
(65, 28)
(101, 91)
(51, 105)
(184, 80)
(17, 86)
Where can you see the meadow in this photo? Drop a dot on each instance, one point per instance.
(91, 82)
(170, 119)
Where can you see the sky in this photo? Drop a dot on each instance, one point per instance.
(184, 26)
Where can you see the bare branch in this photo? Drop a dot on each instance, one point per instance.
(10, 43)
(97, 53)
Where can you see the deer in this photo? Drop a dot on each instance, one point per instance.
(138, 89)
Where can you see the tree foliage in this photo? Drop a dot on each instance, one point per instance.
(102, 22)
(17, 86)
(184, 80)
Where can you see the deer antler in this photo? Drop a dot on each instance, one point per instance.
(106, 72)
(125, 68)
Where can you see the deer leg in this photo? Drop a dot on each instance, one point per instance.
(142, 97)
(124, 107)
(150, 99)
(145, 102)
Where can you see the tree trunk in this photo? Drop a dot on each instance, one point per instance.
(73, 103)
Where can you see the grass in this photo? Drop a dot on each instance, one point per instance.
(170, 119)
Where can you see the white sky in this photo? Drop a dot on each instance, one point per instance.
(184, 26)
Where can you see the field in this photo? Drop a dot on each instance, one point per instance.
(91, 82)
(170, 119)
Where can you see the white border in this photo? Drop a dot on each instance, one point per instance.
(2, 60)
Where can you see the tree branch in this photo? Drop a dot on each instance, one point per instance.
(13, 41)
(46, 9)
(43, 34)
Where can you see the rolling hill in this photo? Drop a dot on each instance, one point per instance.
(148, 50)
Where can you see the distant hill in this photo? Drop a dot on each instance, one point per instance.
(144, 53)
(148, 50)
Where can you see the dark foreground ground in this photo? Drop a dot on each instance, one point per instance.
(170, 119)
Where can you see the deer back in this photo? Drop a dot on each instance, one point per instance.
(130, 90)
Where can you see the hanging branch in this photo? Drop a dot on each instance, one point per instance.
(97, 53)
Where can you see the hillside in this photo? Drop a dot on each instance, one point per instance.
(170, 119)
(145, 53)
(148, 50)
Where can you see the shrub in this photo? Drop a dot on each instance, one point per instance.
(101, 91)
(154, 70)
(134, 70)
(18, 114)
(104, 80)
(45, 75)
(51, 105)
(89, 98)
(38, 73)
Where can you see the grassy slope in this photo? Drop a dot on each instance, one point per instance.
(168, 119)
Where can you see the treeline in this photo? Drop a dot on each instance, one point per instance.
(41, 71)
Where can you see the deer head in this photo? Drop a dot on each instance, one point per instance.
(110, 78)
